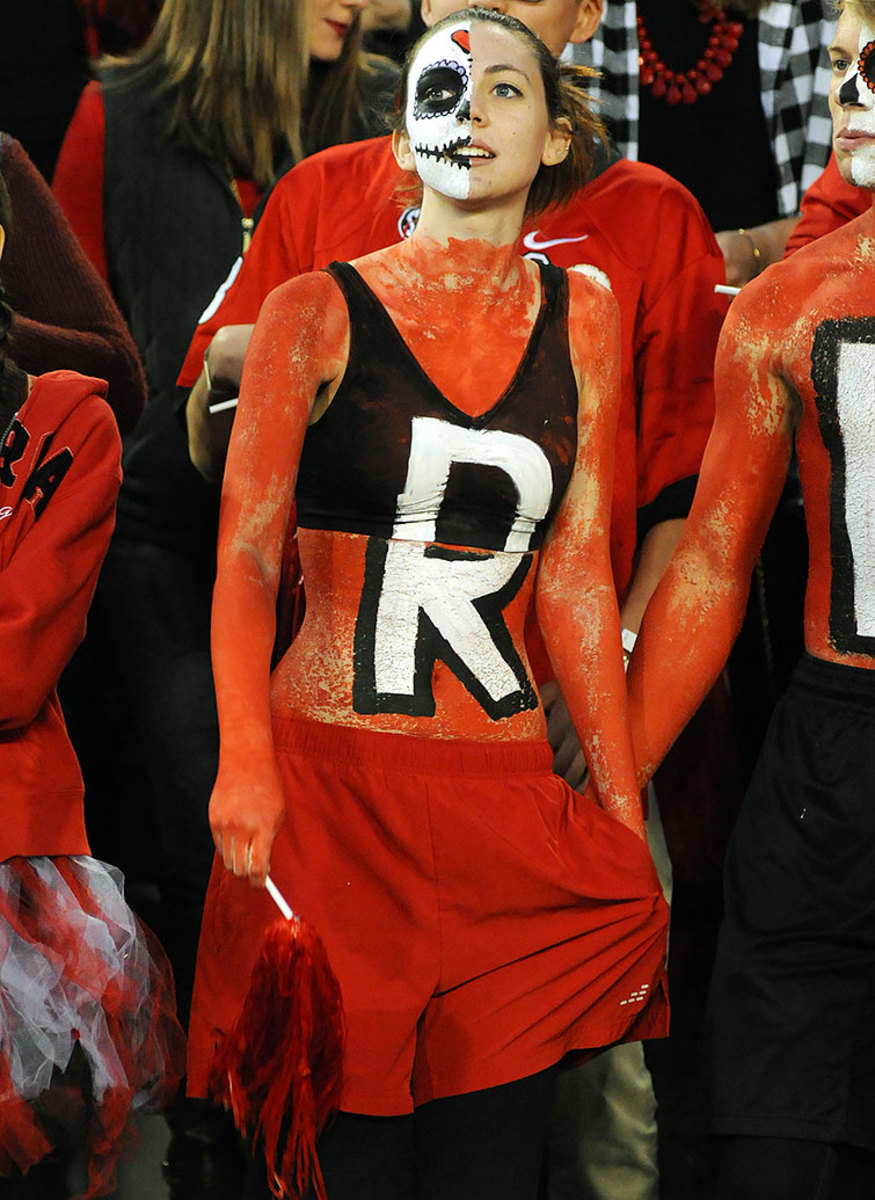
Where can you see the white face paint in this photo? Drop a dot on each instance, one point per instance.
(852, 98)
(439, 110)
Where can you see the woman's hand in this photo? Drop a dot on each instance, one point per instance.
(568, 758)
(245, 816)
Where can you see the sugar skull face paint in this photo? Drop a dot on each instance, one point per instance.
(439, 110)
(477, 124)
(852, 99)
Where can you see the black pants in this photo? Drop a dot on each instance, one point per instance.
(486, 1145)
(766, 1168)
(155, 605)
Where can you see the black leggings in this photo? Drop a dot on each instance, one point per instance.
(478, 1146)
(766, 1168)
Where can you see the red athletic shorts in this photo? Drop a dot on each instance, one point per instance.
(483, 919)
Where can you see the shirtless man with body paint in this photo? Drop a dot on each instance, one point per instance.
(793, 1057)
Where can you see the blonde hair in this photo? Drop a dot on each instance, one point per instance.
(863, 8)
(235, 73)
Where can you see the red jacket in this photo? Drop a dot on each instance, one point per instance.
(60, 471)
(827, 205)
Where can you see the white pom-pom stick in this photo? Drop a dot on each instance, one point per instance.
(722, 289)
(222, 405)
(278, 898)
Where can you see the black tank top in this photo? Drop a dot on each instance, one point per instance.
(393, 457)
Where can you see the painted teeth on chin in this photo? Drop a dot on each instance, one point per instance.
(445, 154)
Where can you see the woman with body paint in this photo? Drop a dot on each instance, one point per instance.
(442, 413)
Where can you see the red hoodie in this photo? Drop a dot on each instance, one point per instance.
(59, 475)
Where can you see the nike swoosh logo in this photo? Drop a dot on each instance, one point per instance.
(530, 241)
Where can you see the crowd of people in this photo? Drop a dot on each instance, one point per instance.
(370, 377)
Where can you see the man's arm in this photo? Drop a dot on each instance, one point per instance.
(656, 550)
(697, 608)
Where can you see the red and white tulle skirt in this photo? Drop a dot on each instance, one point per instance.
(88, 1028)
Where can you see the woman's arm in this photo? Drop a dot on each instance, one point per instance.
(298, 351)
(747, 252)
(575, 598)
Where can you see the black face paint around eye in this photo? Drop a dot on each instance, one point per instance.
(439, 89)
(866, 65)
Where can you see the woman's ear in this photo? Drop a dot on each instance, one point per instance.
(2, 240)
(402, 150)
(557, 144)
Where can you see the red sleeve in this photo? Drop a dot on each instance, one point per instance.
(48, 578)
(272, 259)
(676, 340)
(65, 316)
(677, 327)
(78, 182)
(827, 204)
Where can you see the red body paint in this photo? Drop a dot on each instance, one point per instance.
(794, 361)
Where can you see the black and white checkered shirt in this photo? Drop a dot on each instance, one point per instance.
(794, 71)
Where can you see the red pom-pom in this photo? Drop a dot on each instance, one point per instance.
(280, 1066)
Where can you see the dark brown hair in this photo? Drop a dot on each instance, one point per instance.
(336, 99)
(566, 100)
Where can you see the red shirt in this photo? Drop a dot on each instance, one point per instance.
(827, 205)
(59, 476)
(633, 224)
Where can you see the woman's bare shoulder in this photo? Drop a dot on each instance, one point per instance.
(310, 309)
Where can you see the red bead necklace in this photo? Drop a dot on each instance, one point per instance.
(688, 86)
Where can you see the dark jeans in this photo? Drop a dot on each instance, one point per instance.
(154, 608)
(486, 1145)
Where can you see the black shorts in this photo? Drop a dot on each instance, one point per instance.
(791, 1016)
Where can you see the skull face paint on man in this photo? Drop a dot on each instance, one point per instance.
(439, 110)
(852, 99)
